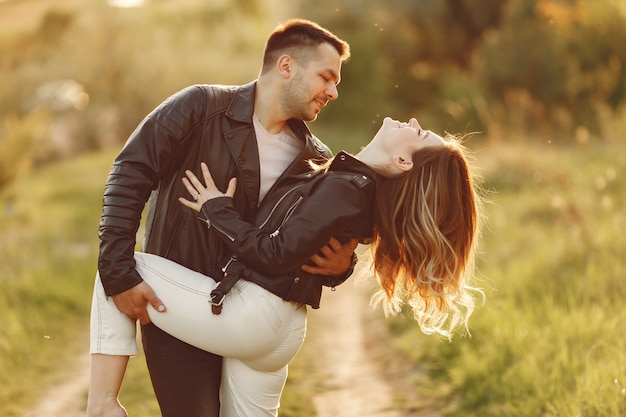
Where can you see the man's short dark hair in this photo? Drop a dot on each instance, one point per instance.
(297, 34)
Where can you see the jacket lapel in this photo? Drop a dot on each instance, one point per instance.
(240, 138)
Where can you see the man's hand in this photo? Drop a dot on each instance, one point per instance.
(335, 258)
(133, 302)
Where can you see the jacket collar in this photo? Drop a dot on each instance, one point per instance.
(241, 107)
(343, 161)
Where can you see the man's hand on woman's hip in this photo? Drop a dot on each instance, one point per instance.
(133, 302)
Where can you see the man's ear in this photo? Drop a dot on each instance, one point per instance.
(285, 65)
(403, 163)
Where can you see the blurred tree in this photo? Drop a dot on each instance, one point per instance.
(127, 60)
(54, 25)
(461, 65)
(431, 42)
(532, 64)
(524, 54)
(447, 31)
(597, 39)
(250, 7)
(568, 56)
(20, 138)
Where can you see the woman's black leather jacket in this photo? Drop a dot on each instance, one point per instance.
(294, 221)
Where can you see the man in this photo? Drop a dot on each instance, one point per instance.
(255, 132)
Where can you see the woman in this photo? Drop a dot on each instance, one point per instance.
(409, 192)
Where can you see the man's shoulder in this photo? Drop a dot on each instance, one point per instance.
(204, 93)
(215, 97)
(214, 89)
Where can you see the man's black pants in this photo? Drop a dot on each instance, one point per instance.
(185, 379)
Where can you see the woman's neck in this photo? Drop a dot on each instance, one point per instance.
(374, 158)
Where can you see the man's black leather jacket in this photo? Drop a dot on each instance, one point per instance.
(294, 221)
(207, 123)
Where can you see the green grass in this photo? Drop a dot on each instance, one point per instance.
(48, 261)
(550, 339)
(49, 242)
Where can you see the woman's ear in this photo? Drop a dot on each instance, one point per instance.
(402, 163)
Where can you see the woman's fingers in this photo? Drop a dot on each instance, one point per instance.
(208, 179)
(232, 186)
(195, 182)
(191, 204)
(201, 193)
(192, 190)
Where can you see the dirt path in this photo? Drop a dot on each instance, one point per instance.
(67, 398)
(343, 332)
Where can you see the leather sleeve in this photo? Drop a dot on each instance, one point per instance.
(152, 152)
(320, 216)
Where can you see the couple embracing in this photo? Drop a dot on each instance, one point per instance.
(250, 216)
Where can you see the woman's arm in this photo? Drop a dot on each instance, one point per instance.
(333, 207)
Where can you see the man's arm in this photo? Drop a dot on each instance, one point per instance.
(153, 151)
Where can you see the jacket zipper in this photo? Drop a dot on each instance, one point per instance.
(269, 216)
(287, 216)
(211, 225)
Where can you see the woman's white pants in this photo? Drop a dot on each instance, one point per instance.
(257, 333)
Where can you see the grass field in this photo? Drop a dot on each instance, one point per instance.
(49, 226)
(549, 341)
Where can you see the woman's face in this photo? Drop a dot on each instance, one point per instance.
(407, 136)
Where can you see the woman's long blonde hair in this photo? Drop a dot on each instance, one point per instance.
(424, 241)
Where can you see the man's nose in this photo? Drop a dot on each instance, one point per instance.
(331, 92)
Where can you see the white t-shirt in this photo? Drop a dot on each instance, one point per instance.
(276, 152)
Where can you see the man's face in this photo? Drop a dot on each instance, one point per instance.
(313, 84)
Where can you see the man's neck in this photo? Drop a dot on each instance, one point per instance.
(265, 107)
(270, 123)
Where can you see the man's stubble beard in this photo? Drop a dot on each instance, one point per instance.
(296, 103)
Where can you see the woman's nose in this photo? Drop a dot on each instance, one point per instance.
(414, 123)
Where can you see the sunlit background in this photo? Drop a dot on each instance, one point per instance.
(538, 85)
